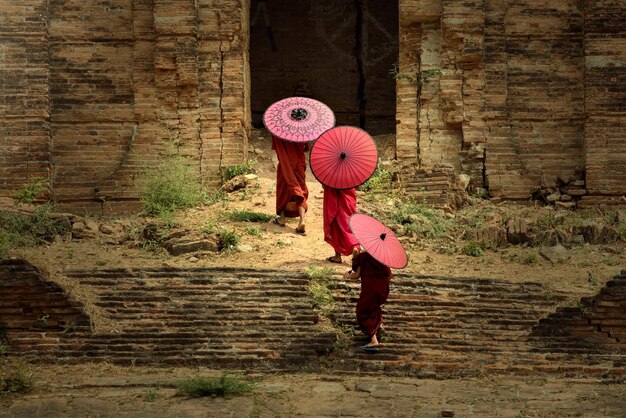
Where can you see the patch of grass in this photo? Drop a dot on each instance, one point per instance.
(322, 295)
(5, 244)
(236, 170)
(473, 248)
(320, 288)
(29, 229)
(171, 185)
(254, 231)
(548, 221)
(319, 274)
(217, 196)
(529, 259)
(379, 182)
(421, 220)
(151, 395)
(249, 216)
(214, 386)
(31, 191)
(228, 240)
(611, 261)
(14, 378)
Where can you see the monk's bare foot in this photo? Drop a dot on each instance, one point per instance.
(334, 259)
(301, 229)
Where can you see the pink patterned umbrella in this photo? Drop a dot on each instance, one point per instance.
(298, 119)
(378, 240)
(343, 157)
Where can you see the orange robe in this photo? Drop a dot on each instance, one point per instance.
(375, 278)
(291, 190)
(338, 206)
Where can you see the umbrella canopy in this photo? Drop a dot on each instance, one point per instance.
(343, 157)
(378, 240)
(298, 119)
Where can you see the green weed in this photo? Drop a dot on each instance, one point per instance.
(473, 249)
(15, 378)
(151, 395)
(31, 191)
(214, 386)
(379, 182)
(236, 170)
(530, 258)
(320, 274)
(171, 185)
(29, 229)
(228, 240)
(249, 216)
(254, 231)
(421, 220)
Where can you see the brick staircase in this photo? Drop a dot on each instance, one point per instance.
(451, 327)
(266, 320)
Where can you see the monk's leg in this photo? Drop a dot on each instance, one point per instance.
(302, 212)
(282, 218)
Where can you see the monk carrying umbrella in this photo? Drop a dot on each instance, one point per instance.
(342, 159)
(382, 250)
(293, 122)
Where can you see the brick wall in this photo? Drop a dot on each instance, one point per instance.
(110, 86)
(605, 97)
(24, 93)
(514, 94)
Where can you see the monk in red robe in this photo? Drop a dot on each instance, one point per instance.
(339, 205)
(291, 189)
(375, 278)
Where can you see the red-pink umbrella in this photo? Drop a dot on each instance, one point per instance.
(378, 240)
(298, 119)
(343, 157)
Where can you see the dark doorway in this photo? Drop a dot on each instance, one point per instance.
(341, 52)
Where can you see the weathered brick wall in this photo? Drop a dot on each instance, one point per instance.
(534, 95)
(113, 85)
(605, 97)
(515, 94)
(24, 97)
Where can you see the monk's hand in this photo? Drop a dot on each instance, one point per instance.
(348, 274)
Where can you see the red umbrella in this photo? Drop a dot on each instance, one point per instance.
(298, 119)
(378, 240)
(343, 157)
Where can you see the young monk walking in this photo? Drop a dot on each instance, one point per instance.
(291, 189)
(375, 278)
(338, 206)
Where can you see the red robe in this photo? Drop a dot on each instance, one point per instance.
(338, 206)
(290, 177)
(375, 278)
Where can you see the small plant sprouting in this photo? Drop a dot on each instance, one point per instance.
(474, 249)
(318, 274)
(15, 378)
(214, 386)
(228, 240)
(151, 395)
(236, 170)
(169, 186)
(249, 216)
(379, 182)
(254, 231)
(31, 191)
